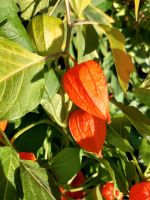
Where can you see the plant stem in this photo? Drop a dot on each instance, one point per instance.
(6, 140)
(54, 7)
(137, 166)
(147, 171)
(85, 22)
(44, 121)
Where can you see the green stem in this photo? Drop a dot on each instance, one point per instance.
(56, 4)
(44, 121)
(6, 140)
(137, 166)
(147, 171)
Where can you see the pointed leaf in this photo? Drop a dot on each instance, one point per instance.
(137, 3)
(123, 62)
(87, 88)
(137, 119)
(21, 81)
(143, 92)
(66, 164)
(47, 33)
(34, 181)
(144, 151)
(11, 26)
(88, 131)
(9, 162)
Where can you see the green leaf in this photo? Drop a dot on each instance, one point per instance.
(137, 119)
(11, 26)
(66, 164)
(34, 181)
(143, 92)
(9, 163)
(94, 194)
(79, 6)
(116, 140)
(144, 151)
(97, 15)
(137, 3)
(29, 8)
(21, 80)
(47, 33)
(51, 83)
(117, 43)
(104, 4)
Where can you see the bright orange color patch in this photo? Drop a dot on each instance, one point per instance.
(140, 191)
(87, 88)
(88, 131)
(109, 192)
(3, 125)
(27, 156)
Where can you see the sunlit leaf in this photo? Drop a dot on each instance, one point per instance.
(29, 8)
(9, 163)
(137, 3)
(87, 88)
(34, 181)
(123, 62)
(137, 119)
(47, 33)
(21, 80)
(79, 6)
(88, 131)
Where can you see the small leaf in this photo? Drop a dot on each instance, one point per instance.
(3, 125)
(144, 91)
(34, 181)
(11, 26)
(88, 131)
(9, 163)
(137, 3)
(29, 8)
(94, 194)
(47, 33)
(144, 151)
(87, 88)
(137, 119)
(21, 80)
(123, 62)
(79, 6)
(66, 164)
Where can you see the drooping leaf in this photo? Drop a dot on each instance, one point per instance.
(95, 14)
(34, 181)
(21, 80)
(11, 26)
(3, 125)
(116, 140)
(87, 88)
(66, 164)
(123, 62)
(137, 3)
(29, 8)
(88, 131)
(47, 33)
(143, 92)
(137, 119)
(144, 151)
(94, 194)
(9, 163)
(79, 6)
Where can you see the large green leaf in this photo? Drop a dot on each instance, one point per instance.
(29, 8)
(123, 62)
(143, 92)
(137, 119)
(9, 163)
(47, 33)
(66, 164)
(11, 26)
(34, 181)
(21, 80)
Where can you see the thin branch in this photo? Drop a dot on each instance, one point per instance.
(54, 7)
(78, 23)
(68, 12)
